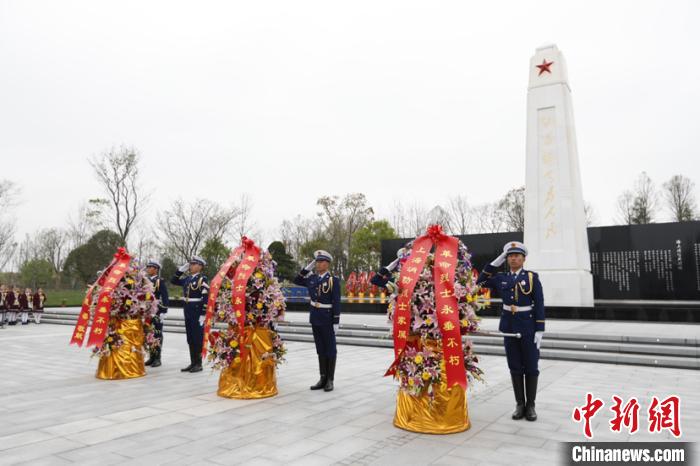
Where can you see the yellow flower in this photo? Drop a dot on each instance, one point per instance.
(233, 344)
(410, 382)
(237, 359)
(426, 376)
(428, 321)
(464, 322)
(109, 339)
(128, 302)
(222, 314)
(259, 305)
(259, 275)
(130, 281)
(148, 296)
(470, 298)
(418, 359)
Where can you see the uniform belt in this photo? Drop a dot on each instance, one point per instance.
(193, 300)
(507, 307)
(320, 305)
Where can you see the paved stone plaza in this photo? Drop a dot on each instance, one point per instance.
(54, 411)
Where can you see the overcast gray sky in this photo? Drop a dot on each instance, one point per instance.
(315, 98)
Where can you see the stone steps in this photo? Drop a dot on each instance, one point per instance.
(612, 349)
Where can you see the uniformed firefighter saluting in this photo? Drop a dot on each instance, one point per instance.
(195, 292)
(523, 312)
(324, 315)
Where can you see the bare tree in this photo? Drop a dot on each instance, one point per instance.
(146, 245)
(645, 200)
(184, 228)
(87, 220)
(678, 192)
(245, 224)
(9, 193)
(341, 218)
(625, 210)
(460, 215)
(409, 221)
(26, 251)
(513, 207)
(488, 218)
(51, 244)
(438, 215)
(398, 219)
(117, 170)
(417, 220)
(297, 232)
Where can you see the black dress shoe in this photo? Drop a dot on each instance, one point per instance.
(519, 412)
(156, 363)
(149, 362)
(530, 413)
(329, 386)
(323, 370)
(320, 384)
(192, 361)
(196, 368)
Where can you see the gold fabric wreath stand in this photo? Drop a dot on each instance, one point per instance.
(126, 362)
(446, 414)
(251, 377)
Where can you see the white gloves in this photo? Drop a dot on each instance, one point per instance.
(310, 266)
(393, 265)
(497, 262)
(538, 338)
(201, 320)
(184, 268)
(336, 327)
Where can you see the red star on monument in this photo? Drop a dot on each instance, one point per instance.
(544, 67)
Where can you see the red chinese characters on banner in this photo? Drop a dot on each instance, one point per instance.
(214, 288)
(627, 416)
(662, 415)
(586, 412)
(445, 262)
(408, 278)
(251, 257)
(108, 280)
(665, 414)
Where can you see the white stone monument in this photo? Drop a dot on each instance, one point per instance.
(555, 222)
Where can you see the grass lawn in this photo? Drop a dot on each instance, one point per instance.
(57, 298)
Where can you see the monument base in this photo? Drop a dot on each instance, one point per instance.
(567, 288)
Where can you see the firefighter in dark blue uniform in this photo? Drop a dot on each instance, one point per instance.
(324, 316)
(160, 291)
(195, 292)
(523, 312)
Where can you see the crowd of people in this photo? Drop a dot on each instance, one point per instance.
(18, 306)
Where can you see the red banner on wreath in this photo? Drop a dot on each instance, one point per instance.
(84, 316)
(214, 287)
(83, 319)
(444, 264)
(100, 321)
(251, 257)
